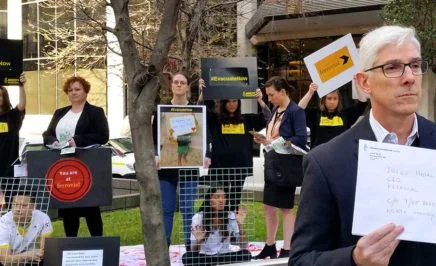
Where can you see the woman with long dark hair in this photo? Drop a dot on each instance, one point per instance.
(214, 227)
(232, 144)
(288, 123)
(11, 119)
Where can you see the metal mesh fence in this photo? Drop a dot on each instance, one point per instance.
(215, 212)
(24, 222)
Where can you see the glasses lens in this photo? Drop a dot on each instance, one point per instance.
(396, 70)
(176, 82)
(393, 70)
(423, 66)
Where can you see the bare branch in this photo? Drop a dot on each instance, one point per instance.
(211, 8)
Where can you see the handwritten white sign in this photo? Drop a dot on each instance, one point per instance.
(333, 65)
(397, 184)
(183, 125)
(82, 257)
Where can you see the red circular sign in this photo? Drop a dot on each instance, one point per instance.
(71, 179)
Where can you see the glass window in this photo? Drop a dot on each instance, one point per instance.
(31, 87)
(30, 27)
(47, 84)
(30, 65)
(3, 4)
(3, 24)
(47, 36)
(65, 27)
(63, 75)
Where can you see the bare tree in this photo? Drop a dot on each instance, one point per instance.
(205, 29)
(143, 83)
(145, 31)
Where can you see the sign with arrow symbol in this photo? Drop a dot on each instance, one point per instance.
(333, 65)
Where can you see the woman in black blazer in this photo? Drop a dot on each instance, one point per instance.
(79, 125)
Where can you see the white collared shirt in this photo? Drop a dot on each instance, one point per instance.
(11, 237)
(214, 243)
(382, 135)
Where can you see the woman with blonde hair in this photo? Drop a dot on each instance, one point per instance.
(331, 119)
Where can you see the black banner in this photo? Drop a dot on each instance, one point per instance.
(11, 61)
(229, 78)
(83, 179)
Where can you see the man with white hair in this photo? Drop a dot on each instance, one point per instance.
(391, 73)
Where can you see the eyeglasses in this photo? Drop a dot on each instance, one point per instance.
(396, 70)
(176, 82)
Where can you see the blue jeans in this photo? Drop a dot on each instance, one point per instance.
(188, 194)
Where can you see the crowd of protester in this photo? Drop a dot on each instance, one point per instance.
(390, 73)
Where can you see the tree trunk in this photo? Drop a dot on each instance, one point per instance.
(191, 33)
(143, 83)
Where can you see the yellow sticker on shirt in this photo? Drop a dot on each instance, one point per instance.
(233, 128)
(4, 127)
(336, 121)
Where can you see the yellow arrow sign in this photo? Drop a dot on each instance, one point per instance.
(334, 64)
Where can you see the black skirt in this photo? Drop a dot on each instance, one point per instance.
(278, 196)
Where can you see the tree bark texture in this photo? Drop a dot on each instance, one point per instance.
(143, 84)
(191, 33)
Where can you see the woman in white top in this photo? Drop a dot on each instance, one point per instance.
(78, 125)
(214, 227)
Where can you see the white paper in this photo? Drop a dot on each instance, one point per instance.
(20, 170)
(82, 257)
(396, 184)
(344, 77)
(58, 146)
(280, 145)
(183, 125)
(68, 150)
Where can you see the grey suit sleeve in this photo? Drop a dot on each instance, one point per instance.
(317, 228)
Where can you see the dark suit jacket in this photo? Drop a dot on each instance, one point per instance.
(323, 227)
(293, 125)
(92, 127)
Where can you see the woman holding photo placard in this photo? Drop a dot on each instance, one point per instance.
(169, 178)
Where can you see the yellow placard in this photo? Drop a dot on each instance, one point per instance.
(334, 64)
(336, 121)
(249, 94)
(233, 128)
(4, 127)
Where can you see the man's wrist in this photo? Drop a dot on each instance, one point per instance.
(353, 256)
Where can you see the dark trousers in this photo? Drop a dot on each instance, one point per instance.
(233, 189)
(72, 220)
(195, 258)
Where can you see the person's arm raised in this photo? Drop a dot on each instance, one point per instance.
(201, 85)
(22, 94)
(306, 98)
